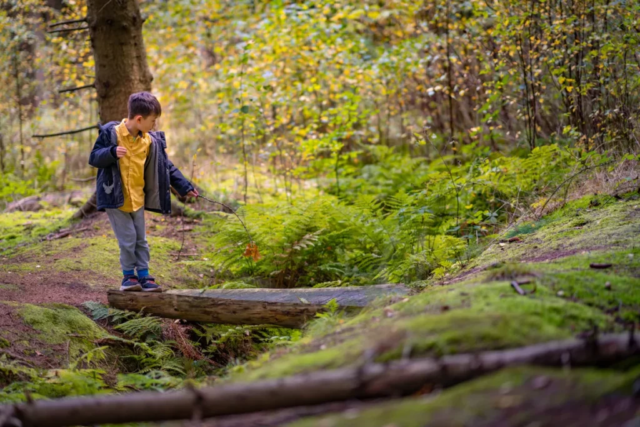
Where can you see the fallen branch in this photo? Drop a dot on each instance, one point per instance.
(600, 266)
(515, 285)
(69, 132)
(368, 381)
(175, 254)
(65, 233)
(17, 358)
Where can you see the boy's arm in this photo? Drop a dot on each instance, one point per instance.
(103, 155)
(178, 181)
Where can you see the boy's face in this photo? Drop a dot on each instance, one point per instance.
(145, 124)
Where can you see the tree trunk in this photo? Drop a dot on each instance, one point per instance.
(290, 308)
(361, 382)
(115, 28)
(120, 58)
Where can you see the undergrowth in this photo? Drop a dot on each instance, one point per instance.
(422, 221)
(143, 353)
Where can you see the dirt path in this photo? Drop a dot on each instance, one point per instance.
(44, 284)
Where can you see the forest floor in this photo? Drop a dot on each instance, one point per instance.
(59, 262)
(43, 284)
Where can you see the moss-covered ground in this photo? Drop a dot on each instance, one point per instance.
(551, 258)
(50, 344)
(565, 297)
(22, 227)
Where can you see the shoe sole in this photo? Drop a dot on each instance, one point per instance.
(152, 290)
(131, 288)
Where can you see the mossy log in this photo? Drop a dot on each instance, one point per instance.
(282, 307)
(368, 381)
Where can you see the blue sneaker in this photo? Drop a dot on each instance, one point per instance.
(130, 283)
(149, 284)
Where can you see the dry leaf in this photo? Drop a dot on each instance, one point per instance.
(251, 251)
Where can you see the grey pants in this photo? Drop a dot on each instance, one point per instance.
(130, 232)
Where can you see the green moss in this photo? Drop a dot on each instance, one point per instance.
(59, 324)
(508, 398)
(525, 228)
(4, 343)
(615, 290)
(19, 227)
(571, 230)
(441, 320)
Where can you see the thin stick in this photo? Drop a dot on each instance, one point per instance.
(83, 179)
(183, 233)
(68, 30)
(568, 180)
(71, 21)
(19, 102)
(69, 132)
(232, 211)
(73, 89)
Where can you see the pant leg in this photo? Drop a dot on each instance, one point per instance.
(123, 227)
(142, 247)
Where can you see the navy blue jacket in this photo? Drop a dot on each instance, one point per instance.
(159, 173)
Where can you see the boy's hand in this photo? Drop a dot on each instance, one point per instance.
(193, 193)
(121, 152)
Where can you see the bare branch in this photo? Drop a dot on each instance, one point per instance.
(68, 30)
(70, 132)
(83, 179)
(73, 89)
(71, 21)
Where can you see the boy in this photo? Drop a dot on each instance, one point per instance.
(134, 175)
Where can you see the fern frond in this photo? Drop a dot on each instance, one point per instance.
(142, 326)
(98, 310)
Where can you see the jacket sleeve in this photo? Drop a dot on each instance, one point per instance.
(177, 180)
(102, 155)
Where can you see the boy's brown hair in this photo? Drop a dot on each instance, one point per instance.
(144, 104)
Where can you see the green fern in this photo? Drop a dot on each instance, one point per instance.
(98, 310)
(142, 327)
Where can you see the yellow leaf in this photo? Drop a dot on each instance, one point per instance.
(569, 88)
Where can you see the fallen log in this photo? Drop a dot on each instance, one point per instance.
(364, 382)
(282, 307)
(35, 203)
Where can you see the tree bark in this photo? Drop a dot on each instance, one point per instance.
(115, 28)
(364, 382)
(290, 308)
